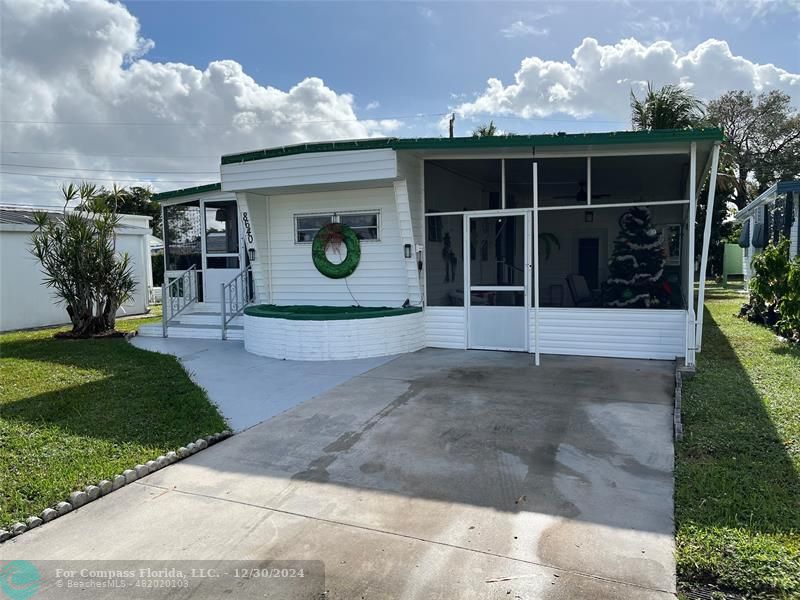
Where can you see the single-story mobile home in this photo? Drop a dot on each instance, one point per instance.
(772, 215)
(577, 244)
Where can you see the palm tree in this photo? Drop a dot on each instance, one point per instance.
(489, 130)
(671, 107)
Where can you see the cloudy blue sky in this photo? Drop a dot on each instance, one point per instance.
(154, 92)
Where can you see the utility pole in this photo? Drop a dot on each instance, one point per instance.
(452, 123)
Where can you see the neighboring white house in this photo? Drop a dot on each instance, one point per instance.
(774, 213)
(446, 225)
(25, 301)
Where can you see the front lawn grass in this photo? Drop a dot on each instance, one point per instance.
(737, 497)
(74, 412)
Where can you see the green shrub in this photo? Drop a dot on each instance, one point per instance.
(775, 290)
(789, 304)
(79, 259)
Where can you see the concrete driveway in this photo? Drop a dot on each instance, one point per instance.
(248, 389)
(441, 474)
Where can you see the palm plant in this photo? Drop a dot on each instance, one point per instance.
(486, 130)
(79, 260)
(670, 107)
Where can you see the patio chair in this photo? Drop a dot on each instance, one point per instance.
(582, 296)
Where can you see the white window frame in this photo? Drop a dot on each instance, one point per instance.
(336, 218)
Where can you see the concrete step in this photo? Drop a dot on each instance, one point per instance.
(206, 318)
(200, 332)
(150, 330)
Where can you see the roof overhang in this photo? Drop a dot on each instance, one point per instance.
(767, 197)
(527, 144)
(663, 141)
(190, 191)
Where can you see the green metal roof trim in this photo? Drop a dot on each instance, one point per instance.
(369, 144)
(504, 141)
(199, 189)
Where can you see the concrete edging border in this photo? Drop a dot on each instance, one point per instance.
(90, 493)
(681, 371)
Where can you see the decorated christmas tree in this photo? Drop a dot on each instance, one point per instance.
(636, 267)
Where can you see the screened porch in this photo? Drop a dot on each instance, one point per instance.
(562, 255)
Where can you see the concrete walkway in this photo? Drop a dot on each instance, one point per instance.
(249, 389)
(441, 474)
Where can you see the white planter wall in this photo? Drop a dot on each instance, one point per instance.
(333, 340)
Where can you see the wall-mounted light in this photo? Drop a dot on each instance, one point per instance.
(407, 250)
(588, 216)
(251, 252)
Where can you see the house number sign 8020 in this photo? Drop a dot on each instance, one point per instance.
(247, 231)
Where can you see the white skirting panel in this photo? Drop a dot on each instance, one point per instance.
(621, 333)
(333, 340)
(445, 327)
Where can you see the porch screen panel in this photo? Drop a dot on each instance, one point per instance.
(642, 179)
(222, 228)
(462, 185)
(562, 182)
(444, 260)
(497, 251)
(182, 236)
(574, 251)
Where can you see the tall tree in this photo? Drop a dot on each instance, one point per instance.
(762, 139)
(670, 107)
(135, 200)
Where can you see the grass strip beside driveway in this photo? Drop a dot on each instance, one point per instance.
(737, 499)
(74, 412)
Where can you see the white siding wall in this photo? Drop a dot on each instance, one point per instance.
(310, 169)
(623, 333)
(256, 207)
(407, 237)
(379, 280)
(445, 327)
(409, 167)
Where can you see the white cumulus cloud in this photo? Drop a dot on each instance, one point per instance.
(598, 79)
(66, 64)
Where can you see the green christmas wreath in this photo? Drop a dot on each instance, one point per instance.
(333, 235)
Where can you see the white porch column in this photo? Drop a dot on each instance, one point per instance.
(712, 190)
(690, 316)
(536, 263)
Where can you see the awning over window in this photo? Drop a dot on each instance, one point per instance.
(744, 238)
(760, 237)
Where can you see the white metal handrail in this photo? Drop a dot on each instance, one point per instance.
(235, 296)
(177, 295)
